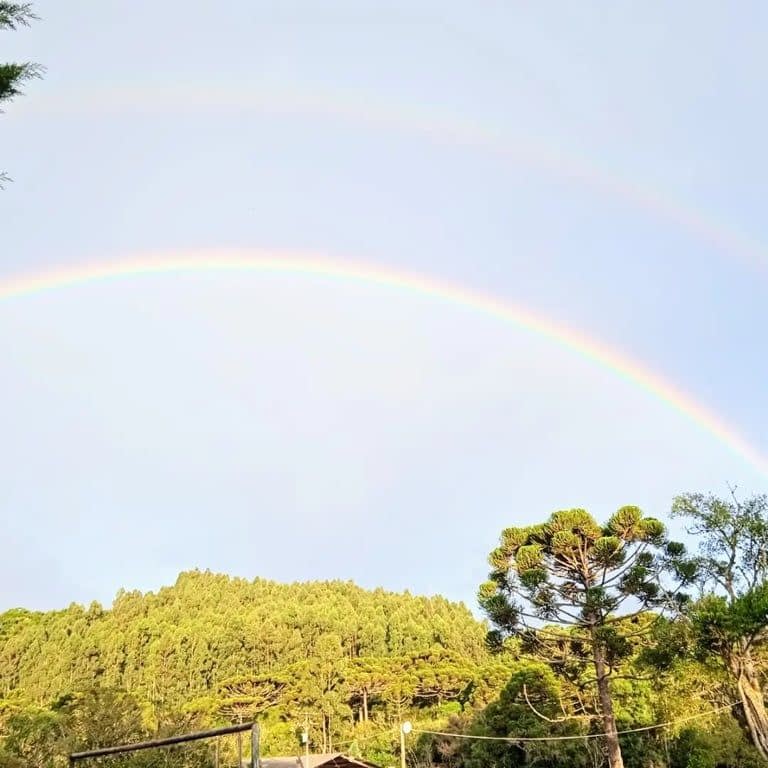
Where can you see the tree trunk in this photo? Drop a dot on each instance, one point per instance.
(365, 704)
(751, 696)
(615, 759)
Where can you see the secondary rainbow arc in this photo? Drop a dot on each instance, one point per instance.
(411, 120)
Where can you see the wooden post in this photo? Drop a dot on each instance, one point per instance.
(255, 746)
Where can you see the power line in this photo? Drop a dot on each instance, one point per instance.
(518, 739)
(386, 731)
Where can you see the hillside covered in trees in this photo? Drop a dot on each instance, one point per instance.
(191, 639)
(213, 649)
(682, 681)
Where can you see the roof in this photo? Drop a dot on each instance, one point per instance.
(331, 760)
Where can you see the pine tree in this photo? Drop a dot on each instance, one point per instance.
(582, 579)
(13, 75)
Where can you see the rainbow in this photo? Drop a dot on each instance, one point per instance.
(317, 265)
(429, 125)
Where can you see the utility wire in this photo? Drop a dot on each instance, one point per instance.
(386, 731)
(518, 739)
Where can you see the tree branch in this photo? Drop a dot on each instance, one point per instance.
(550, 719)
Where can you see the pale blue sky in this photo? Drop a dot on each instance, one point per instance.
(297, 428)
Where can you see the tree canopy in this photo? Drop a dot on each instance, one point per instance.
(730, 621)
(14, 75)
(571, 580)
(211, 650)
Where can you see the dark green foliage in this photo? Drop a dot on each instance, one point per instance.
(15, 15)
(720, 625)
(508, 715)
(722, 746)
(14, 75)
(669, 645)
(571, 589)
(574, 572)
(730, 622)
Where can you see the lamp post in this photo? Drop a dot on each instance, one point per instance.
(406, 727)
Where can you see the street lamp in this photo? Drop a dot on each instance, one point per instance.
(406, 727)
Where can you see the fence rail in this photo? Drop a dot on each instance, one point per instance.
(171, 740)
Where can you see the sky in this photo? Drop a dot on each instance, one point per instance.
(600, 166)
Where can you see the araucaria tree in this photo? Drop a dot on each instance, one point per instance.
(13, 75)
(572, 578)
(731, 619)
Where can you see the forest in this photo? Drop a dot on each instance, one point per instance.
(596, 642)
(605, 630)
